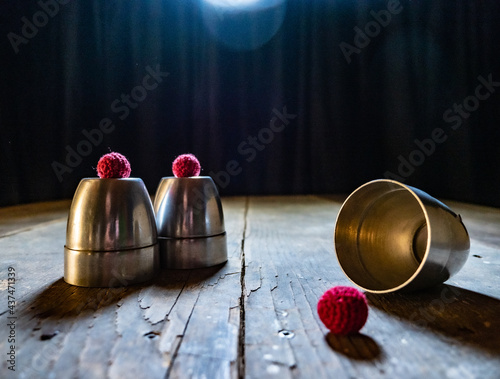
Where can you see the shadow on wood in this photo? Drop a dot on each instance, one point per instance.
(62, 300)
(168, 277)
(468, 316)
(356, 346)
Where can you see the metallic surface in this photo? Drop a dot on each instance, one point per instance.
(190, 223)
(187, 253)
(188, 207)
(110, 214)
(389, 237)
(110, 268)
(111, 229)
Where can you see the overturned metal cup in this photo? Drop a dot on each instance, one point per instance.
(390, 236)
(111, 237)
(190, 223)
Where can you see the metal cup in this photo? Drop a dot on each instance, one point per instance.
(111, 237)
(190, 223)
(389, 237)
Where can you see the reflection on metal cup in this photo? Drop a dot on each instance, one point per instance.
(390, 236)
(190, 223)
(111, 237)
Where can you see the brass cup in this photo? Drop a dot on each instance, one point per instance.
(111, 238)
(190, 223)
(390, 236)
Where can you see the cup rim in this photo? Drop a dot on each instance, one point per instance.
(420, 267)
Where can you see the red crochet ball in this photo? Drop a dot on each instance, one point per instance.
(343, 310)
(113, 165)
(186, 165)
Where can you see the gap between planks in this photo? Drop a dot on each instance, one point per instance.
(241, 345)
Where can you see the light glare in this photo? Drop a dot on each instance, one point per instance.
(232, 3)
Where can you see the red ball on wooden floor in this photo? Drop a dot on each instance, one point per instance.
(343, 310)
(186, 165)
(113, 165)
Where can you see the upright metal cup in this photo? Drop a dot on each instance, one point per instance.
(389, 237)
(190, 223)
(111, 237)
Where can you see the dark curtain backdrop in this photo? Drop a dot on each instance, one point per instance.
(231, 73)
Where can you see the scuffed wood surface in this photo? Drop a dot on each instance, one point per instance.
(23, 217)
(186, 323)
(254, 317)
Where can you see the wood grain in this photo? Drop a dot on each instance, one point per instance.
(186, 321)
(255, 316)
(449, 332)
(19, 218)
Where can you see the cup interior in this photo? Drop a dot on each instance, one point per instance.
(381, 236)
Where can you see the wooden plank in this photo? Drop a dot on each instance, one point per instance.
(451, 331)
(281, 252)
(254, 316)
(19, 218)
(210, 342)
(36, 255)
(482, 270)
(185, 321)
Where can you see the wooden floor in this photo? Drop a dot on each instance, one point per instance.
(254, 317)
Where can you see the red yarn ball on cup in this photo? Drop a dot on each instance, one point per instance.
(113, 165)
(343, 310)
(186, 165)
